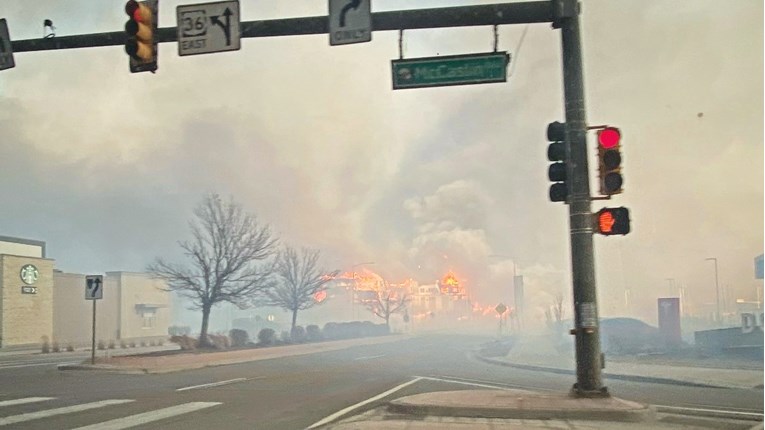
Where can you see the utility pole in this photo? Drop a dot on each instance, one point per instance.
(588, 356)
(718, 316)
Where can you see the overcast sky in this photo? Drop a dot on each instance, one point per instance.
(106, 166)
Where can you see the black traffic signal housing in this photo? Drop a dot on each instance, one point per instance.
(556, 152)
(141, 30)
(612, 221)
(610, 161)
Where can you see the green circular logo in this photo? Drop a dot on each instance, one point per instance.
(29, 274)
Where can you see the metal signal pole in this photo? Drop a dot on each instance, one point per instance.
(589, 381)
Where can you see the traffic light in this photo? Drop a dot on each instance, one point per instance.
(611, 221)
(610, 161)
(141, 29)
(556, 152)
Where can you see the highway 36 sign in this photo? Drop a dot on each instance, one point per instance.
(208, 27)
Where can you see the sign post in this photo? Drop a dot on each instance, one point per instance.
(94, 292)
(500, 308)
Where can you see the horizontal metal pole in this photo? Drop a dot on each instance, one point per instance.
(461, 16)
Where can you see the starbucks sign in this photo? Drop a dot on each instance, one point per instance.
(29, 274)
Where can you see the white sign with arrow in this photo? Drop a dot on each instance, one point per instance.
(94, 287)
(208, 27)
(350, 21)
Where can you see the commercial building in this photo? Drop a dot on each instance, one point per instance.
(40, 303)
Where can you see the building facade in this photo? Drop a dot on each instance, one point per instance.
(26, 291)
(39, 303)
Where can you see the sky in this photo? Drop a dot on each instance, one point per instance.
(106, 166)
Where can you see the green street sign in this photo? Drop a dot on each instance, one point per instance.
(450, 70)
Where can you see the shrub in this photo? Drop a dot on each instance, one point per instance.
(239, 337)
(298, 334)
(111, 345)
(69, 348)
(55, 347)
(123, 345)
(186, 343)
(143, 343)
(45, 344)
(218, 341)
(266, 336)
(132, 344)
(313, 333)
(286, 337)
(101, 345)
(175, 330)
(353, 329)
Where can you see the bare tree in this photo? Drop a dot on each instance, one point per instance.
(226, 246)
(299, 279)
(388, 302)
(557, 308)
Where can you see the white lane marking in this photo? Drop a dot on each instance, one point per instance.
(725, 411)
(342, 412)
(212, 384)
(454, 381)
(147, 417)
(370, 357)
(24, 400)
(493, 384)
(59, 411)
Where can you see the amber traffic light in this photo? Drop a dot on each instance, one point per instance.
(141, 31)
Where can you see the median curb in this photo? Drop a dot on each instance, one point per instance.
(624, 377)
(516, 404)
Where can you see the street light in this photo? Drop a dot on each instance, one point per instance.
(717, 288)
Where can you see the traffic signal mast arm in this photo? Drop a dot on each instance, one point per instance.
(459, 16)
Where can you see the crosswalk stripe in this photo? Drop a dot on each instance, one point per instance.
(147, 417)
(59, 411)
(24, 400)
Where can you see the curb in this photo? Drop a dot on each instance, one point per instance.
(101, 368)
(404, 406)
(222, 361)
(633, 378)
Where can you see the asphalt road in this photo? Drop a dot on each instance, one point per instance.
(293, 392)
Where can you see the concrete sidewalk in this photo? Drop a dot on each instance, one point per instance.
(538, 353)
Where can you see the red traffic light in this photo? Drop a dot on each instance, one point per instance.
(609, 137)
(611, 221)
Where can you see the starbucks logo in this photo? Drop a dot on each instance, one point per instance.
(29, 274)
